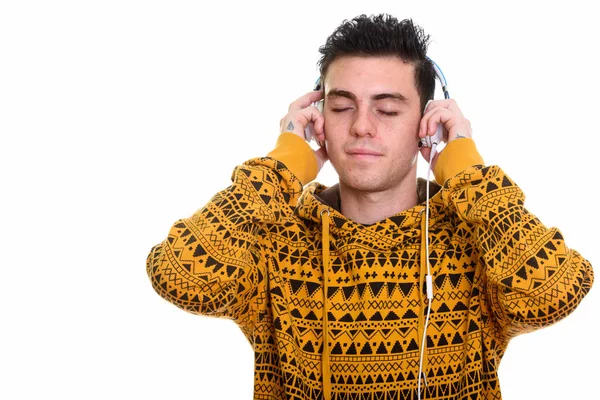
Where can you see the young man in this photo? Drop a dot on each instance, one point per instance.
(330, 285)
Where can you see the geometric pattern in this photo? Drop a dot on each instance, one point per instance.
(254, 254)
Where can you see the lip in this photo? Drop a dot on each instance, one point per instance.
(363, 152)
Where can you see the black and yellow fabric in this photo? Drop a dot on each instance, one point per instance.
(349, 328)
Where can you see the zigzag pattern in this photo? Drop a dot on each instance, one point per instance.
(254, 253)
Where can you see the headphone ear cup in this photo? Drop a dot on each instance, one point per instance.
(319, 105)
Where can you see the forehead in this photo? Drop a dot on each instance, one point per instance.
(365, 74)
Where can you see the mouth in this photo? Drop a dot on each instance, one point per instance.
(363, 153)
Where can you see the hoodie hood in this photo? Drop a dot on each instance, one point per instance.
(316, 198)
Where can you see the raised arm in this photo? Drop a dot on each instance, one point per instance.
(211, 263)
(533, 278)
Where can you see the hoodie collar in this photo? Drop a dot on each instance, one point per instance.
(317, 198)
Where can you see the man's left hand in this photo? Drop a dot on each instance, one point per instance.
(447, 113)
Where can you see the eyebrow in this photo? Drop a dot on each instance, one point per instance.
(379, 96)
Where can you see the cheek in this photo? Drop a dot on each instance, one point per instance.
(409, 133)
(333, 129)
(414, 123)
(331, 124)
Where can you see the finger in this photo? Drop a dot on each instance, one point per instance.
(449, 104)
(430, 108)
(439, 116)
(430, 121)
(320, 129)
(444, 117)
(305, 101)
(452, 105)
(297, 122)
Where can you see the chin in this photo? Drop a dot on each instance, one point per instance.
(365, 180)
(363, 185)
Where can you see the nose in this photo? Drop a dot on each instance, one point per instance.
(363, 125)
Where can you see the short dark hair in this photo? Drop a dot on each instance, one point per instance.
(382, 35)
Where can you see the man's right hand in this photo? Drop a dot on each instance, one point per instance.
(300, 114)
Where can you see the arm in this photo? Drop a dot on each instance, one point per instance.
(211, 263)
(533, 278)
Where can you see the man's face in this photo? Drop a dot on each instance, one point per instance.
(372, 114)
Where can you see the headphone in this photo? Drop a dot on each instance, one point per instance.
(436, 139)
(309, 132)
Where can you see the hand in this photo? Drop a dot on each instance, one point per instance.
(300, 113)
(447, 113)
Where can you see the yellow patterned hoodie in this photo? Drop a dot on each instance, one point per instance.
(291, 270)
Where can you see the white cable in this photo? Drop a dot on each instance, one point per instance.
(428, 278)
(438, 138)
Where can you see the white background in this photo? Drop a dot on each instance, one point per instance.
(119, 117)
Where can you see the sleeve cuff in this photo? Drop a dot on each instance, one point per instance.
(295, 153)
(457, 156)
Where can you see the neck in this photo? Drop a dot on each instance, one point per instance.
(370, 207)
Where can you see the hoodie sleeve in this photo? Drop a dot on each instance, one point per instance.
(533, 278)
(211, 263)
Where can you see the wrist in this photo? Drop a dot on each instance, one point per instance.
(456, 156)
(295, 153)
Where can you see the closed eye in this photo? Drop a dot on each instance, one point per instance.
(386, 113)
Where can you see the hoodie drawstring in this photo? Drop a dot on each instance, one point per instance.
(325, 360)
